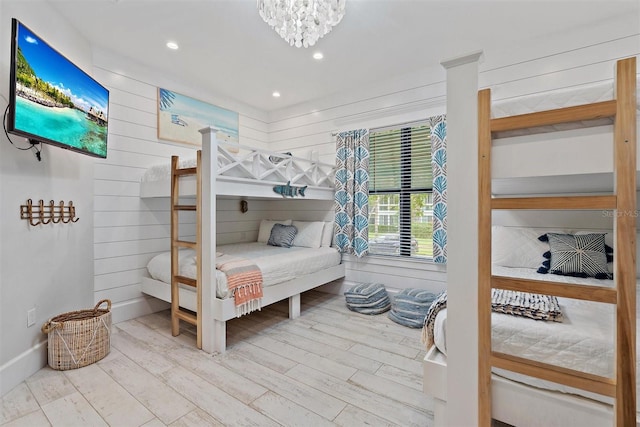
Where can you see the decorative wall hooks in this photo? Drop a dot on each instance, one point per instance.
(44, 214)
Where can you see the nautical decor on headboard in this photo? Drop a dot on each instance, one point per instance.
(52, 212)
(289, 190)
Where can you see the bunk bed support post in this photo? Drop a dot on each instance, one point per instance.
(213, 334)
(625, 241)
(294, 306)
(462, 176)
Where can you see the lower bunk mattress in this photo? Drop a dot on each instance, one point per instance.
(583, 341)
(277, 264)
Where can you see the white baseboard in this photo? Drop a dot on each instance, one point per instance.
(22, 367)
(137, 307)
(338, 287)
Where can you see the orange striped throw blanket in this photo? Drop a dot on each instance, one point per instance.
(244, 280)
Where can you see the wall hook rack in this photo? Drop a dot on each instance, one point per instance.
(52, 212)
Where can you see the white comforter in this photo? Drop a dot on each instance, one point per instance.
(584, 341)
(277, 264)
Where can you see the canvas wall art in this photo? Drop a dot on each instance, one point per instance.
(181, 117)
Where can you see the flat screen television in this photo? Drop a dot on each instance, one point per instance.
(52, 100)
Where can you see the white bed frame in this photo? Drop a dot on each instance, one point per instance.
(236, 179)
(518, 404)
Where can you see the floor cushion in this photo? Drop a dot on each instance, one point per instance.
(410, 307)
(367, 298)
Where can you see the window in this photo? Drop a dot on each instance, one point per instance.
(400, 199)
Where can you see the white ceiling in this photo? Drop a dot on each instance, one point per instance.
(226, 48)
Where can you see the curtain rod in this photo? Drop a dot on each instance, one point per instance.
(412, 122)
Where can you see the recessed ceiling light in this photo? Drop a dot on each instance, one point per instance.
(276, 94)
(318, 56)
(172, 45)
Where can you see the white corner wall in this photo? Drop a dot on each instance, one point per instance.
(46, 267)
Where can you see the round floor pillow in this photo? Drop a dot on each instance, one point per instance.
(410, 307)
(368, 298)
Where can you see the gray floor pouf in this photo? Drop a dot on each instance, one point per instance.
(368, 298)
(410, 307)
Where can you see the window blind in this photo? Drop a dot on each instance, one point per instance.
(400, 183)
(400, 157)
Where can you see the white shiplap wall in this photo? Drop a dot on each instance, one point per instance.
(130, 230)
(581, 57)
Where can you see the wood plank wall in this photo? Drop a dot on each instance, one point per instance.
(129, 230)
(548, 65)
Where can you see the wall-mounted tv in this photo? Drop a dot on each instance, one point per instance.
(52, 100)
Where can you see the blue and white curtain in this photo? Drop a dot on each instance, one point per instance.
(352, 192)
(439, 167)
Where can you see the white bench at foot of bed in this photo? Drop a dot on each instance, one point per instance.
(516, 403)
(225, 309)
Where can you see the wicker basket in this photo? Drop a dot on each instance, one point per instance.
(79, 338)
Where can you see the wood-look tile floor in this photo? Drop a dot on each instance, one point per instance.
(329, 367)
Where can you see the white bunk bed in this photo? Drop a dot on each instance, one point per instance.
(516, 400)
(223, 169)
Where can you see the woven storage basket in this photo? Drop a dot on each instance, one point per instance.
(79, 338)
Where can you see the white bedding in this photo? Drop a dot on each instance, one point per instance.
(277, 264)
(555, 99)
(584, 341)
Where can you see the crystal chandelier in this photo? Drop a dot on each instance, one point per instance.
(302, 22)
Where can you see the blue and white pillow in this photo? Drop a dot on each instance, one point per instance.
(282, 235)
(578, 255)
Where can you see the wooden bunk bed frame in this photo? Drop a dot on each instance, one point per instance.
(622, 388)
(202, 308)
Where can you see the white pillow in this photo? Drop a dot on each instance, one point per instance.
(309, 233)
(327, 234)
(518, 246)
(265, 228)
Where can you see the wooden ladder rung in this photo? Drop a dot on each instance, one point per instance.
(557, 374)
(185, 171)
(578, 113)
(556, 203)
(185, 207)
(565, 290)
(185, 244)
(187, 317)
(186, 280)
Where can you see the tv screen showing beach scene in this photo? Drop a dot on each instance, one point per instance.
(52, 100)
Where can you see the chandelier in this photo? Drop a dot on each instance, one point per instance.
(302, 22)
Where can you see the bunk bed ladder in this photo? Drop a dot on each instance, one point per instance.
(178, 313)
(622, 387)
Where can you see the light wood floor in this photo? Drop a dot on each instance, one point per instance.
(328, 367)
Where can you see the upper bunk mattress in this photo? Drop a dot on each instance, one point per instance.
(276, 263)
(583, 341)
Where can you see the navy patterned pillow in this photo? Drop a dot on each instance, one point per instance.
(282, 235)
(579, 255)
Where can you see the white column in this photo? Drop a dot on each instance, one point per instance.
(462, 239)
(208, 238)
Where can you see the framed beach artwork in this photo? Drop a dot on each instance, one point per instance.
(181, 117)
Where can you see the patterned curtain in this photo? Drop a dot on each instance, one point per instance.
(352, 192)
(439, 166)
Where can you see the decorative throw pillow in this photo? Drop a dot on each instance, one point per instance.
(265, 228)
(327, 234)
(518, 246)
(282, 235)
(580, 255)
(309, 233)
